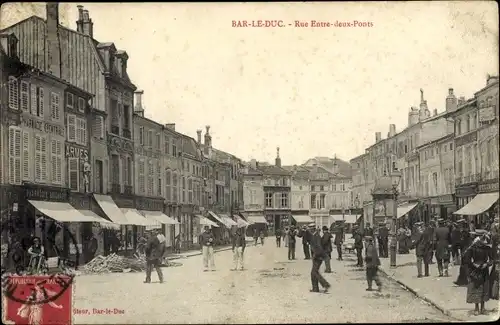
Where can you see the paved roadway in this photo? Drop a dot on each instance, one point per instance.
(271, 290)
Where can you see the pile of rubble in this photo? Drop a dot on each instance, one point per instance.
(117, 263)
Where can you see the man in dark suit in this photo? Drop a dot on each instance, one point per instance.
(339, 239)
(155, 249)
(278, 237)
(358, 245)
(319, 255)
(423, 247)
(292, 233)
(326, 242)
(372, 264)
(442, 239)
(304, 234)
(383, 240)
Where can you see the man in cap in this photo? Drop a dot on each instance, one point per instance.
(207, 242)
(304, 234)
(372, 264)
(239, 243)
(326, 242)
(318, 257)
(423, 246)
(155, 249)
(358, 244)
(339, 239)
(431, 228)
(442, 239)
(456, 241)
(383, 240)
(291, 242)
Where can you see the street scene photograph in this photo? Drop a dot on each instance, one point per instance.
(239, 163)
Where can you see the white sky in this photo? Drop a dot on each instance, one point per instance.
(312, 92)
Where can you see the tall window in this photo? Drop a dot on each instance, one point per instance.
(37, 101)
(458, 152)
(150, 139)
(141, 135)
(190, 190)
(158, 175)
(269, 200)
(322, 203)
(174, 148)
(126, 117)
(115, 119)
(98, 129)
(435, 183)
(312, 188)
(175, 187)
(322, 188)
(125, 171)
(40, 158)
(301, 202)
(15, 135)
(55, 109)
(168, 185)
(73, 174)
(141, 176)
(56, 157)
(81, 105)
(26, 156)
(313, 201)
(99, 186)
(77, 129)
(115, 169)
(14, 95)
(183, 184)
(284, 200)
(158, 142)
(167, 145)
(151, 178)
(468, 123)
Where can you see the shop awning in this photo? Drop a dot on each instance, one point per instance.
(257, 219)
(337, 217)
(228, 221)
(60, 211)
(160, 217)
(135, 218)
(216, 217)
(240, 222)
(479, 204)
(206, 222)
(347, 218)
(405, 209)
(302, 218)
(111, 209)
(103, 222)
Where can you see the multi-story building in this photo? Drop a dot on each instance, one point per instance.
(476, 155)
(300, 190)
(359, 192)
(436, 161)
(277, 182)
(319, 199)
(253, 193)
(44, 138)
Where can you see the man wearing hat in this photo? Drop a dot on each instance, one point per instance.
(339, 239)
(358, 244)
(456, 241)
(318, 256)
(304, 234)
(326, 242)
(442, 238)
(430, 229)
(291, 242)
(372, 264)
(155, 249)
(383, 240)
(423, 247)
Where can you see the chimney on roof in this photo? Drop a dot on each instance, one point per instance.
(208, 137)
(53, 43)
(461, 101)
(491, 79)
(435, 112)
(138, 108)
(253, 163)
(378, 137)
(392, 130)
(84, 24)
(451, 101)
(278, 159)
(198, 133)
(170, 126)
(335, 165)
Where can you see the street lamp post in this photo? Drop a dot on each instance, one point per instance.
(395, 178)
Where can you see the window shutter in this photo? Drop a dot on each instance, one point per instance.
(40, 103)
(98, 127)
(84, 132)
(71, 128)
(24, 96)
(13, 93)
(38, 158)
(44, 150)
(14, 155)
(33, 100)
(26, 155)
(53, 161)
(73, 174)
(54, 106)
(59, 161)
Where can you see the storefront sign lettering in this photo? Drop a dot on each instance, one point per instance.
(465, 191)
(46, 194)
(75, 152)
(491, 187)
(43, 126)
(149, 204)
(468, 138)
(448, 198)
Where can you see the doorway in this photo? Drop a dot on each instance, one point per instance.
(277, 222)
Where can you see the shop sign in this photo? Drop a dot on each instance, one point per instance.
(147, 204)
(46, 194)
(122, 202)
(468, 138)
(43, 126)
(448, 198)
(465, 191)
(379, 209)
(76, 152)
(487, 114)
(490, 187)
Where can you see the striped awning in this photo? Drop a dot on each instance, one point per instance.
(159, 216)
(206, 222)
(240, 222)
(216, 217)
(257, 219)
(102, 222)
(302, 218)
(228, 222)
(135, 218)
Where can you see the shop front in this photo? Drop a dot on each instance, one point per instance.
(482, 207)
(152, 209)
(186, 226)
(443, 206)
(257, 220)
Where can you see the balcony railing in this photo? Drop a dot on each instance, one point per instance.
(126, 133)
(115, 129)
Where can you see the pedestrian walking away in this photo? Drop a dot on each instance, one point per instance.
(478, 289)
(207, 243)
(278, 237)
(317, 258)
(286, 236)
(155, 249)
(239, 244)
(383, 240)
(292, 233)
(339, 239)
(326, 242)
(262, 237)
(372, 263)
(455, 242)
(255, 236)
(465, 242)
(304, 234)
(358, 245)
(442, 239)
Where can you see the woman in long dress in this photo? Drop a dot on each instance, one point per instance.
(478, 289)
(494, 275)
(466, 241)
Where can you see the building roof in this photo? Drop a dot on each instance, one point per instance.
(190, 147)
(440, 139)
(273, 170)
(252, 171)
(344, 168)
(298, 171)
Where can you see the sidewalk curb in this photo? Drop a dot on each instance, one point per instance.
(421, 296)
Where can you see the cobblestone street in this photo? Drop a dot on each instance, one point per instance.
(271, 290)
